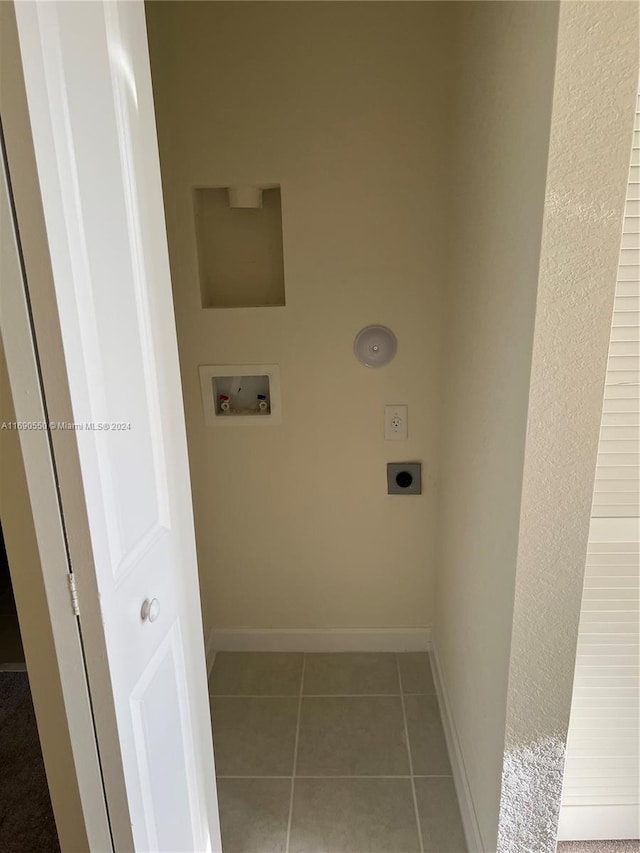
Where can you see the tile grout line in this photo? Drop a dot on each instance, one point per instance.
(313, 695)
(295, 753)
(367, 776)
(307, 695)
(413, 784)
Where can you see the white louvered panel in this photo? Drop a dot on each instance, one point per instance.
(592, 728)
(596, 656)
(626, 289)
(629, 256)
(626, 307)
(619, 364)
(611, 478)
(628, 271)
(626, 765)
(622, 496)
(624, 348)
(615, 692)
(615, 644)
(621, 415)
(620, 565)
(629, 299)
(614, 598)
(600, 548)
(593, 663)
(601, 792)
(616, 405)
(603, 763)
(617, 447)
(624, 319)
(602, 707)
(617, 509)
(618, 460)
(624, 333)
(612, 583)
(617, 484)
(603, 552)
(612, 622)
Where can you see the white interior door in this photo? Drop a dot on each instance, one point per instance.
(90, 100)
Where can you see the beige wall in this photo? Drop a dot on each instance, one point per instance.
(526, 331)
(505, 60)
(344, 105)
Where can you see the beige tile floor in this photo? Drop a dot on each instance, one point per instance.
(331, 753)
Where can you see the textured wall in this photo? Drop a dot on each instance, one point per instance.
(594, 103)
(345, 105)
(505, 60)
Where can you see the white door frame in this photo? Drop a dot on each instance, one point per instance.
(24, 259)
(51, 456)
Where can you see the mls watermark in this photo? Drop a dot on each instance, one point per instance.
(86, 426)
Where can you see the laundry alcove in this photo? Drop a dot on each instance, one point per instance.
(409, 143)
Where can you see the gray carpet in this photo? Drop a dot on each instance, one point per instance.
(26, 818)
(599, 847)
(11, 651)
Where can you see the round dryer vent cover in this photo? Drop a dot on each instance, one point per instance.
(375, 346)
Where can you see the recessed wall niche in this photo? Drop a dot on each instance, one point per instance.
(239, 239)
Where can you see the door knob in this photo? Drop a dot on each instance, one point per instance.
(150, 610)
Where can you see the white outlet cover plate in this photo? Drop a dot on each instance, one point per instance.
(396, 423)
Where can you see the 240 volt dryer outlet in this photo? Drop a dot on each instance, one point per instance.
(404, 478)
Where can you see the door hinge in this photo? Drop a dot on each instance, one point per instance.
(74, 594)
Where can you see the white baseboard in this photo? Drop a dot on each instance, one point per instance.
(460, 779)
(210, 654)
(319, 640)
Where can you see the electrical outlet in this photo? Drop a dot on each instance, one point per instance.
(396, 423)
